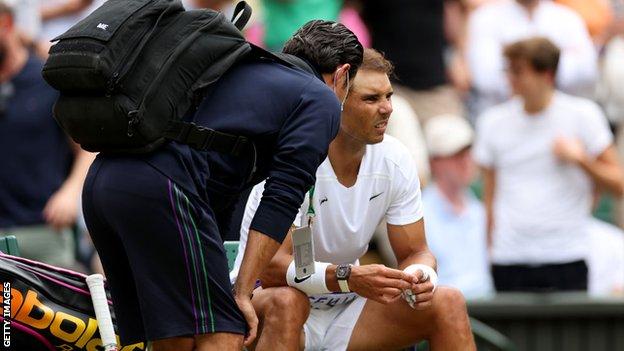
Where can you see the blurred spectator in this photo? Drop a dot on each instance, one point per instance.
(473, 4)
(350, 17)
(611, 86)
(610, 89)
(606, 259)
(42, 173)
(455, 218)
(411, 34)
(542, 153)
(596, 14)
(496, 24)
(283, 17)
(403, 125)
(58, 16)
(254, 31)
(27, 18)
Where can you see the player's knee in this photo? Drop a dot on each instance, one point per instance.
(452, 298)
(450, 306)
(289, 305)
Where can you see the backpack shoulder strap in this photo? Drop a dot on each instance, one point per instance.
(296, 62)
(206, 139)
(286, 60)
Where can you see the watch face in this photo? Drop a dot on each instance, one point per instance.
(342, 272)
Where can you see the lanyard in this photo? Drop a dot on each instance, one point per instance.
(311, 214)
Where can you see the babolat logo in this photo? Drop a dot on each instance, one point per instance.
(67, 330)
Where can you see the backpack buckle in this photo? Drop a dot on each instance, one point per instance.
(198, 137)
(133, 120)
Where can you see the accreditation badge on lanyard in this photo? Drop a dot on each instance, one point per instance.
(303, 243)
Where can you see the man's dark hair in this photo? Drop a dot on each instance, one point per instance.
(540, 52)
(326, 45)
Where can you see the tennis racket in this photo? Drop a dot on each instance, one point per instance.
(102, 313)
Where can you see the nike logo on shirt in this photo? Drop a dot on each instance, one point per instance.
(297, 280)
(323, 200)
(374, 196)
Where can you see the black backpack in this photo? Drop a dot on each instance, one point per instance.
(130, 72)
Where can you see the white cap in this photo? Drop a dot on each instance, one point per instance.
(448, 134)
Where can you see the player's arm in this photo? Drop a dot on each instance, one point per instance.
(275, 273)
(258, 253)
(376, 282)
(302, 145)
(409, 244)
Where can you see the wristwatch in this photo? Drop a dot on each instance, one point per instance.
(343, 271)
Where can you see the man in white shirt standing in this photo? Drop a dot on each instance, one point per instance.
(498, 23)
(455, 224)
(366, 178)
(543, 153)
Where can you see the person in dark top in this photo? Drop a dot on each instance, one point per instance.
(42, 171)
(155, 218)
(412, 35)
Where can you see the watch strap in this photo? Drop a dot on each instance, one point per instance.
(344, 286)
(342, 278)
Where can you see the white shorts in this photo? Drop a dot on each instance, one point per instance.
(331, 329)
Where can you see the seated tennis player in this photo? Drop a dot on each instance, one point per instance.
(366, 178)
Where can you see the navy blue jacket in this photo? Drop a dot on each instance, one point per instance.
(290, 115)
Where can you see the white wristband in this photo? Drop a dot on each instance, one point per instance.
(428, 273)
(311, 285)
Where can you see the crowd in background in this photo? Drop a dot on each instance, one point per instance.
(450, 74)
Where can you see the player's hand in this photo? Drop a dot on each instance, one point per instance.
(378, 282)
(422, 291)
(246, 307)
(569, 150)
(61, 210)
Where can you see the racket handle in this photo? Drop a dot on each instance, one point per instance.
(102, 312)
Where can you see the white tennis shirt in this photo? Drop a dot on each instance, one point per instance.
(387, 187)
